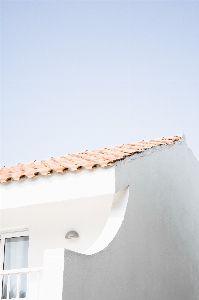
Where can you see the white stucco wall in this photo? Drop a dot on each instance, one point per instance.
(155, 254)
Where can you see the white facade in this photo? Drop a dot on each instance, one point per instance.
(51, 206)
(93, 203)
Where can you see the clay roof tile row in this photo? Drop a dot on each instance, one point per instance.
(73, 162)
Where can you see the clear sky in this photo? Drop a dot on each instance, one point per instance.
(79, 75)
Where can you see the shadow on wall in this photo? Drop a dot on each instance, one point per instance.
(113, 223)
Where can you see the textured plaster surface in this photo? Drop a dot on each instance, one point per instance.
(155, 254)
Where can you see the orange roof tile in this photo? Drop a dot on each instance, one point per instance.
(88, 160)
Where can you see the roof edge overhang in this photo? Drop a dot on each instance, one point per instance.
(58, 187)
(87, 160)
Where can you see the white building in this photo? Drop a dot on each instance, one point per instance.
(134, 208)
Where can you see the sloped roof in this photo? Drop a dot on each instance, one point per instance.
(88, 160)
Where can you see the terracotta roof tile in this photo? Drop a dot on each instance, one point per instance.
(88, 160)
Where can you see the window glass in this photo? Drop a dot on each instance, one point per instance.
(15, 257)
(16, 253)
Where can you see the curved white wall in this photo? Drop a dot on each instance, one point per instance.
(155, 254)
(113, 223)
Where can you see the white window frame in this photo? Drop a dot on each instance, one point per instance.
(6, 235)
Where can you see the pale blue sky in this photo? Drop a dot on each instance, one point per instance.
(80, 75)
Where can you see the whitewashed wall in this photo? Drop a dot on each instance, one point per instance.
(155, 254)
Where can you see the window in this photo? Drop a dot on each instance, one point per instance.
(14, 255)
